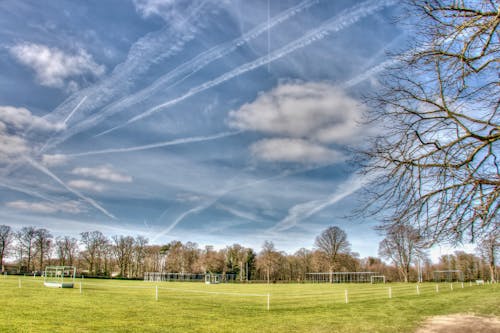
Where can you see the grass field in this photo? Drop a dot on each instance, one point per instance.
(131, 306)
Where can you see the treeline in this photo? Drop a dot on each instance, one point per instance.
(30, 249)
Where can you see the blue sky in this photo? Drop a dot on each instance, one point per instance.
(205, 120)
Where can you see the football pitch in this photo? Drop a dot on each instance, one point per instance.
(137, 306)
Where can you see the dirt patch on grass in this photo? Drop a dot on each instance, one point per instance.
(464, 323)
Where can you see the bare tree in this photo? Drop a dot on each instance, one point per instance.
(268, 259)
(436, 163)
(139, 255)
(43, 242)
(402, 245)
(26, 245)
(331, 242)
(123, 248)
(94, 243)
(6, 236)
(67, 250)
(489, 248)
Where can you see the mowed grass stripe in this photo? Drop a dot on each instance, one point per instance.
(130, 306)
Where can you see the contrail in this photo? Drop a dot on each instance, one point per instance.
(194, 65)
(344, 19)
(180, 218)
(238, 213)
(27, 191)
(217, 197)
(202, 60)
(157, 144)
(146, 51)
(58, 180)
(305, 210)
(74, 110)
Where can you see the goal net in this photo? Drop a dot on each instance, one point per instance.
(448, 276)
(59, 276)
(377, 279)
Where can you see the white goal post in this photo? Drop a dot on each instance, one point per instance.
(377, 279)
(59, 276)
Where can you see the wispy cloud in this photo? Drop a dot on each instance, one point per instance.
(84, 184)
(25, 190)
(303, 211)
(103, 172)
(335, 24)
(51, 160)
(294, 150)
(90, 201)
(72, 207)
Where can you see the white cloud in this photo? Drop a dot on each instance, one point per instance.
(294, 150)
(314, 111)
(188, 197)
(14, 122)
(72, 207)
(21, 119)
(103, 172)
(84, 184)
(53, 66)
(11, 146)
(51, 160)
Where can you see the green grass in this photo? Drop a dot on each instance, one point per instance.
(130, 306)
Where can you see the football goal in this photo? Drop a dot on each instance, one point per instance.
(59, 276)
(448, 276)
(340, 277)
(377, 279)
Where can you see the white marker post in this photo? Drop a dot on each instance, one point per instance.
(418, 290)
(346, 296)
(451, 286)
(156, 295)
(268, 301)
(390, 292)
(437, 288)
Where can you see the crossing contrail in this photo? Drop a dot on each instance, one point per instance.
(187, 69)
(144, 53)
(335, 24)
(90, 201)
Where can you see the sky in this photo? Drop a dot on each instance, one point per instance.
(213, 121)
